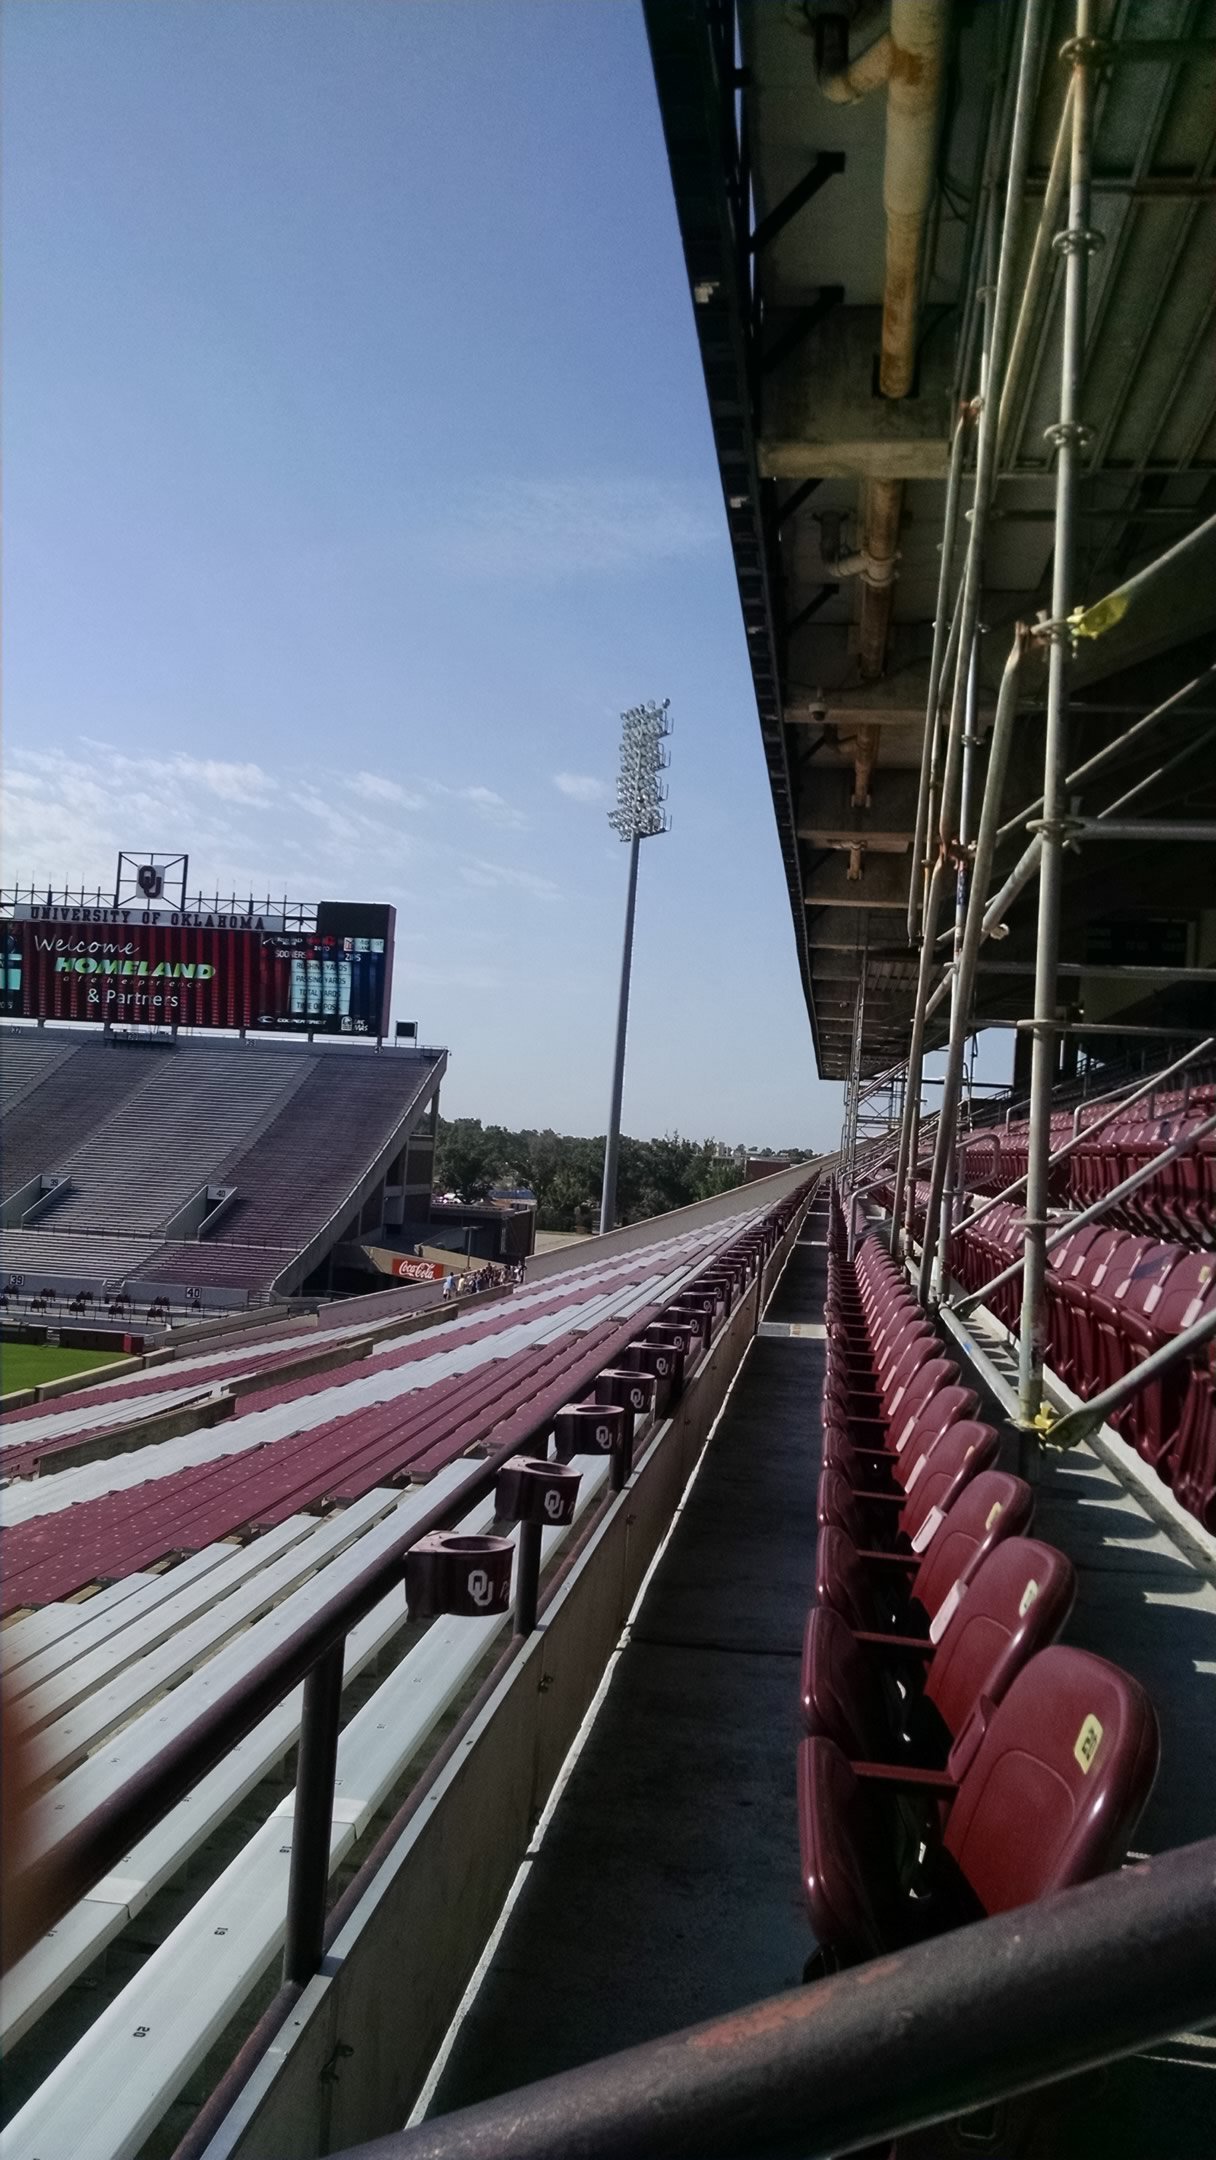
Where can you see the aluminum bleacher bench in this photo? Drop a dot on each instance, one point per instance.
(41, 1977)
(112, 2087)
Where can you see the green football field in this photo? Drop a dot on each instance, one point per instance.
(25, 1365)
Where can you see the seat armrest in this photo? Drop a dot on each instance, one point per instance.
(905, 1774)
(919, 1643)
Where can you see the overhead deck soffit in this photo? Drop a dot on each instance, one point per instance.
(779, 192)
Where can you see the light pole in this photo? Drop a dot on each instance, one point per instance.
(639, 815)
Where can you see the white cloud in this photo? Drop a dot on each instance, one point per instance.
(580, 787)
(375, 787)
(492, 876)
(563, 528)
(491, 807)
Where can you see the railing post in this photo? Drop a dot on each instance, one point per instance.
(527, 1577)
(316, 1767)
(1069, 436)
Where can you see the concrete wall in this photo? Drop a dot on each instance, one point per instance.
(762, 1193)
(352, 2058)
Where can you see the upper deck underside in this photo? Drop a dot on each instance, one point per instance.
(780, 195)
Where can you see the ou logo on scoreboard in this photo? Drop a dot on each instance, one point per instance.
(481, 1589)
(553, 1502)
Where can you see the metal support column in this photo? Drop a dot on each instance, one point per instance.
(1069, 436)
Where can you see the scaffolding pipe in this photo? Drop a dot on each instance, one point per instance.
(1112, 749)
(1079, 1424)
(1040, 259)
(969, 952)
(1068, 435)
(1112, 1199)
(1189, 750)
(1085, 1132)
(1108, 828)
(909, 1130)
(1033, 27)
(967, 611)
(941, 637)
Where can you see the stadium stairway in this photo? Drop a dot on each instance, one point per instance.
(667, 1888)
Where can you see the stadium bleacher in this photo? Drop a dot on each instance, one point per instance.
(137, 1130)
(198, 1553)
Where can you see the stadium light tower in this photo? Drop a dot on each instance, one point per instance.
(639, 815)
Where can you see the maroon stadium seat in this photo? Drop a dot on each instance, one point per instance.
(1051, 1797)
(1016, 1603)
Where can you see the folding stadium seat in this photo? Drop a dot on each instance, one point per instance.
(886, 1434)
(1075, 1282)
(1064, 1266)
(908, 1595)
(1050, 1797)
(930, 1475)
(1104, 1309)
(858, 1694)
(1170, 1303)
(1192, 1456)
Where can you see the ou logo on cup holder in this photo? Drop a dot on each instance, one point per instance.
(553, 1501)
(480, 1588)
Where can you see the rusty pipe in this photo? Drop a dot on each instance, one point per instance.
(918, 41)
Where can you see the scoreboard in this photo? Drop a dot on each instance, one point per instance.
(183, 968)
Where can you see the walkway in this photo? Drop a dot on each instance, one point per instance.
(667, 1888)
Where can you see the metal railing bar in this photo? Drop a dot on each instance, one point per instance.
(1078, 1424)
(920, 2036)
(1123, 1101)
(1118, 1193)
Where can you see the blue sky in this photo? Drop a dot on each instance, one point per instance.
(357, 474)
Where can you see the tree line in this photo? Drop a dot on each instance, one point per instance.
(565, 1171)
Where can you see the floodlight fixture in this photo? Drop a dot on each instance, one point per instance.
(640, 814)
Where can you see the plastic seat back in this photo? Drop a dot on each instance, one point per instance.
(906, 1405)
(841, 1688)
(943, 1409)
(1017, 1601)
(838, 1505)
(959, 1454)
(843, 1581)
(992, 1507)
(1057, 1785)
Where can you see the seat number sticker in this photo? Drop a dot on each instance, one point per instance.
(1029, 1595)
(1088, 1741)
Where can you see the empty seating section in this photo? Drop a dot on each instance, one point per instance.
(1180, 1203)
(327, 1438)
(1113, 1297)
(106, 1683)
(138, 1129)
(293, 1175)
(65, 1101)
(170, 1136)
(958, 1760)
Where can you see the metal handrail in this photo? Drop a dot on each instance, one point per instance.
(1078, 1424)
(975, 2016)
(1083, 1133)
(1177, 1148)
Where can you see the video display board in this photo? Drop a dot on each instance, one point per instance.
(135, 970)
